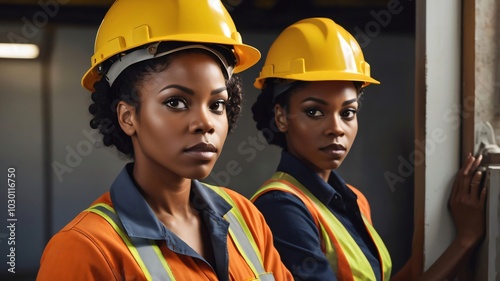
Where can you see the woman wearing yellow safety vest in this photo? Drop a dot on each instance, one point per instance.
(164, 93)
(311, 82)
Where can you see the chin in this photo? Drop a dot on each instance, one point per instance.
(199, 173)
(335, 164)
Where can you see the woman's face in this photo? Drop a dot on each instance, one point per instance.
(320, 123)
(182, 123)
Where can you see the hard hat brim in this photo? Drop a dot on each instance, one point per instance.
(247, 57)
(320, 76)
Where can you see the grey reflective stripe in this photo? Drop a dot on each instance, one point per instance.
(150, 259)
(145, 247)
(266, 277)
(248, 251)
(242, 237)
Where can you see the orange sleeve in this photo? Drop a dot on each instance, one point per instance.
(71, 255)
(262, 236)
(363, 204)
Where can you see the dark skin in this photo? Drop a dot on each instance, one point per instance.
(177, 136)
(320, 126)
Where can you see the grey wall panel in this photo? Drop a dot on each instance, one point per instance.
(21, 148)
(76, 145)
(247, 160)
(380, 163)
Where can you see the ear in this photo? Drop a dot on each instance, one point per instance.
(280, 118)
(126, 117)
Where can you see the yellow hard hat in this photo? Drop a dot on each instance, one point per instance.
(129, 24)
(315, 49)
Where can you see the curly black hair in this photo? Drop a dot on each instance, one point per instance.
(263, 108)
(106, 98)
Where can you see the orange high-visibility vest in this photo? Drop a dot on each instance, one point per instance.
(150, 259)
(345, 256)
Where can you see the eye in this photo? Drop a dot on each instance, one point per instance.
(314, 112)
(218, 106)
(176, 103)
(349, 114)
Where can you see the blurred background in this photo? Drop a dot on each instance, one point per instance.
(61, 165)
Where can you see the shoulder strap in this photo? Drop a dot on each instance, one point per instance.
(364, 206)
(145, 252)
(243, 238)
(282, 185)
(329, 244)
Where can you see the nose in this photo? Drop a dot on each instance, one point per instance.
(202, 123)
(334, 126)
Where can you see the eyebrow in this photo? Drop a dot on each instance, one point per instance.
(190, 91)
(323, 102)
(349, 101)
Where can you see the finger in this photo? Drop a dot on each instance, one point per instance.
(475, 183)
(464, 177)
(461, 185)
(469, 173)
(468, 165)
(476, 163)
(472, 179)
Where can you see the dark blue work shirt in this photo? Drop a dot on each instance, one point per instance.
(140, 221)
(295, 234)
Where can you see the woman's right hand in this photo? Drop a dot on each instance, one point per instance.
(467, 203)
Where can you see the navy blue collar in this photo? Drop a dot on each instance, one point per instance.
(324, 191)
(140, 221)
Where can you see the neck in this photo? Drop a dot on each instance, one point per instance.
(324, 174)
(166, 194)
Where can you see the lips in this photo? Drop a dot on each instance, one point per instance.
(333, 146)
(203, 146)
(334, 149)
(202, 151)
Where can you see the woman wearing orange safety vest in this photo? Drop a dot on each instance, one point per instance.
(164, 93)
(311, 82)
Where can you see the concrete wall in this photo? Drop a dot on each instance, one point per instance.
(487, 64)
(487, 109)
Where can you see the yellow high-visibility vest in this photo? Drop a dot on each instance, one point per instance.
(346, 258)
